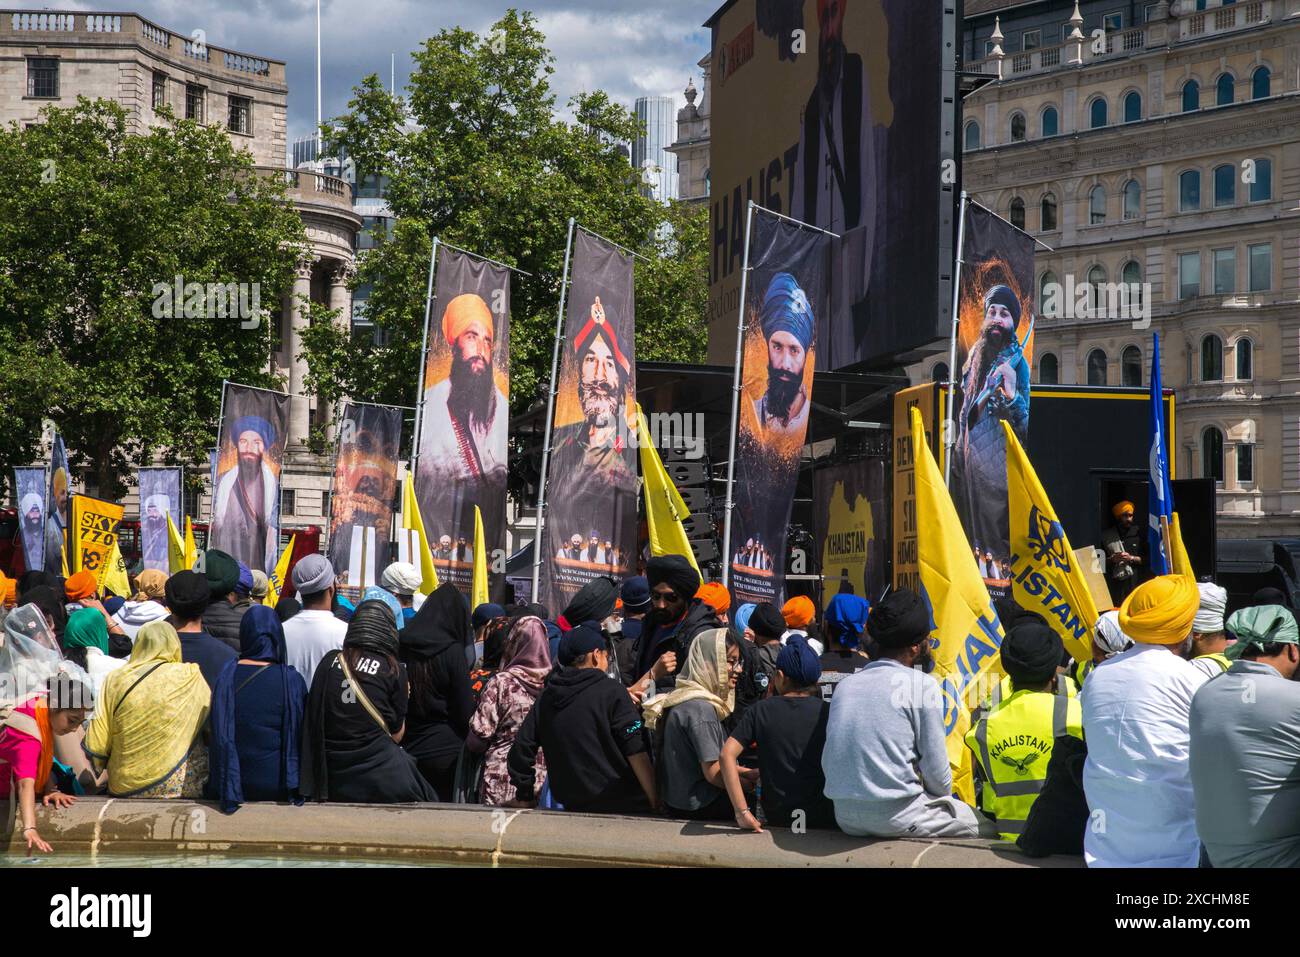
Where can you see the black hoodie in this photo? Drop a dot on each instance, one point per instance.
(433, 647)
(588, 727)
(657, 640)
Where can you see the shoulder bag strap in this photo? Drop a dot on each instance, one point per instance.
(361, 695)
(136, 684)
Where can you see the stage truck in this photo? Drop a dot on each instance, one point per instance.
(1090, 446)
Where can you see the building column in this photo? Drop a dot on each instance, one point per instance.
(299, 412)
(340, 301)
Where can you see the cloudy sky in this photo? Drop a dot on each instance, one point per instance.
(629, 48)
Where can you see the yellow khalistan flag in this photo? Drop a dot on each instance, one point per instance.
(175, 548)
(114, 577)
(276, 582)
(966, 634)
(664, 508)
(1182, 565)
(191, 551)
(480, 589)
(412, 521)
(1045, 575)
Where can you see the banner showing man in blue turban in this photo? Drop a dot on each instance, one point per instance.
(994, 386)
(246, 504)
(787, 322)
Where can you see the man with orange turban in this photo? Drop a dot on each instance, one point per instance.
(1125, 546)
(1136, 708)
(799, 614)
(463, 433)
(716, 596)
(80, 586)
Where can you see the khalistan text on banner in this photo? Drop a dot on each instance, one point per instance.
(160, 496)
(591, 496)
(787, 288)
(250, 454)
(365, 488)
(465, 413)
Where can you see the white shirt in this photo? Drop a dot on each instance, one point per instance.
(308, 637)
(99, 666)
(813, 643)
(1137, 778)
(440, 454)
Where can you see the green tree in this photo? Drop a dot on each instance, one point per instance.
(95, 223)
(478, 156)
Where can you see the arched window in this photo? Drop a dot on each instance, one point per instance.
(1097, 113)
(1191, 96)
(1049, 370)
(1096, 280)
(1130, 367)
(939, 373)
(1047, 213)
(1017, 127)
(1018, 213)
(1132, 200)
(972, 135)
(1053, 309)
(1212, 454)
(1260, 83)
(1225, 185)
(1096, 367)
(1261, 189)
(1097, 205)
(1051, 121)
(1131, 276)
(1245, 360)
(1225, 91)
(1211, 359)
(1189, 191)
(1133, 107)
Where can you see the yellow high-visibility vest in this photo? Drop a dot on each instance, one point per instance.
(1065, 685)
(1013, 745)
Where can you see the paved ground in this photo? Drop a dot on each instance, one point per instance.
(449, 833)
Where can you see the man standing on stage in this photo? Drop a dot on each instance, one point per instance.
(246, 509)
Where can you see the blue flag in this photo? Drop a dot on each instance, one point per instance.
(1160, 497)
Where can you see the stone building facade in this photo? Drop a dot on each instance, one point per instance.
(692, 143)
(52, 57)
(1158, 144)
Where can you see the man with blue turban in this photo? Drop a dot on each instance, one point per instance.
(787, 321)
(245, 514)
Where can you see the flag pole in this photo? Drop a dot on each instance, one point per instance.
(424, 348)
(949, 428)
(212, 473)
(736, 385)
(550, 414)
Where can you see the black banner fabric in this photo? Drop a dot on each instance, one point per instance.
(250, 454)
(787, 290)
(591, 495)
(160, 496)
(994, 350)
(365, 490)
(465, 414)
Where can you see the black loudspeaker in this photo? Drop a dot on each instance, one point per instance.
(696, 499)
(687, 474)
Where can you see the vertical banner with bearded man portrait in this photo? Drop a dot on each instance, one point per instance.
(994, 348)
(591, 498)
(57, 507)
(465, 413)
(29, 492)
(160, 496)
(787, 291)
(250, 454)
(365, 487)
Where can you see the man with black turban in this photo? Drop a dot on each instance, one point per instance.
(787, 320)
(886, 754)
(994, 387)
(1012, 744)
(676, 617)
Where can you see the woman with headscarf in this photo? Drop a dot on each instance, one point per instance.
(356, 717)
(85, 642)
(148, 726)
(494, 645)
(433, 648)
(688, 726)
(505, 702)
(257, 713)
(50, 601)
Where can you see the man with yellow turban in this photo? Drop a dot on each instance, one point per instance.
(1125, 546)
(1136, 708)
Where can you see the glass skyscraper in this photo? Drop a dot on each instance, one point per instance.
(650, 150)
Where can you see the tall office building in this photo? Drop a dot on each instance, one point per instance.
(1155, 145)
(650, 150)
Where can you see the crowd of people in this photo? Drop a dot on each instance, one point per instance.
(1173, 745)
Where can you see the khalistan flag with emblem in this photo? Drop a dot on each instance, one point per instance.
(965, 631)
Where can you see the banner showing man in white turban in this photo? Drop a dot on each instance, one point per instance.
(160, 497)
(30, 486)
